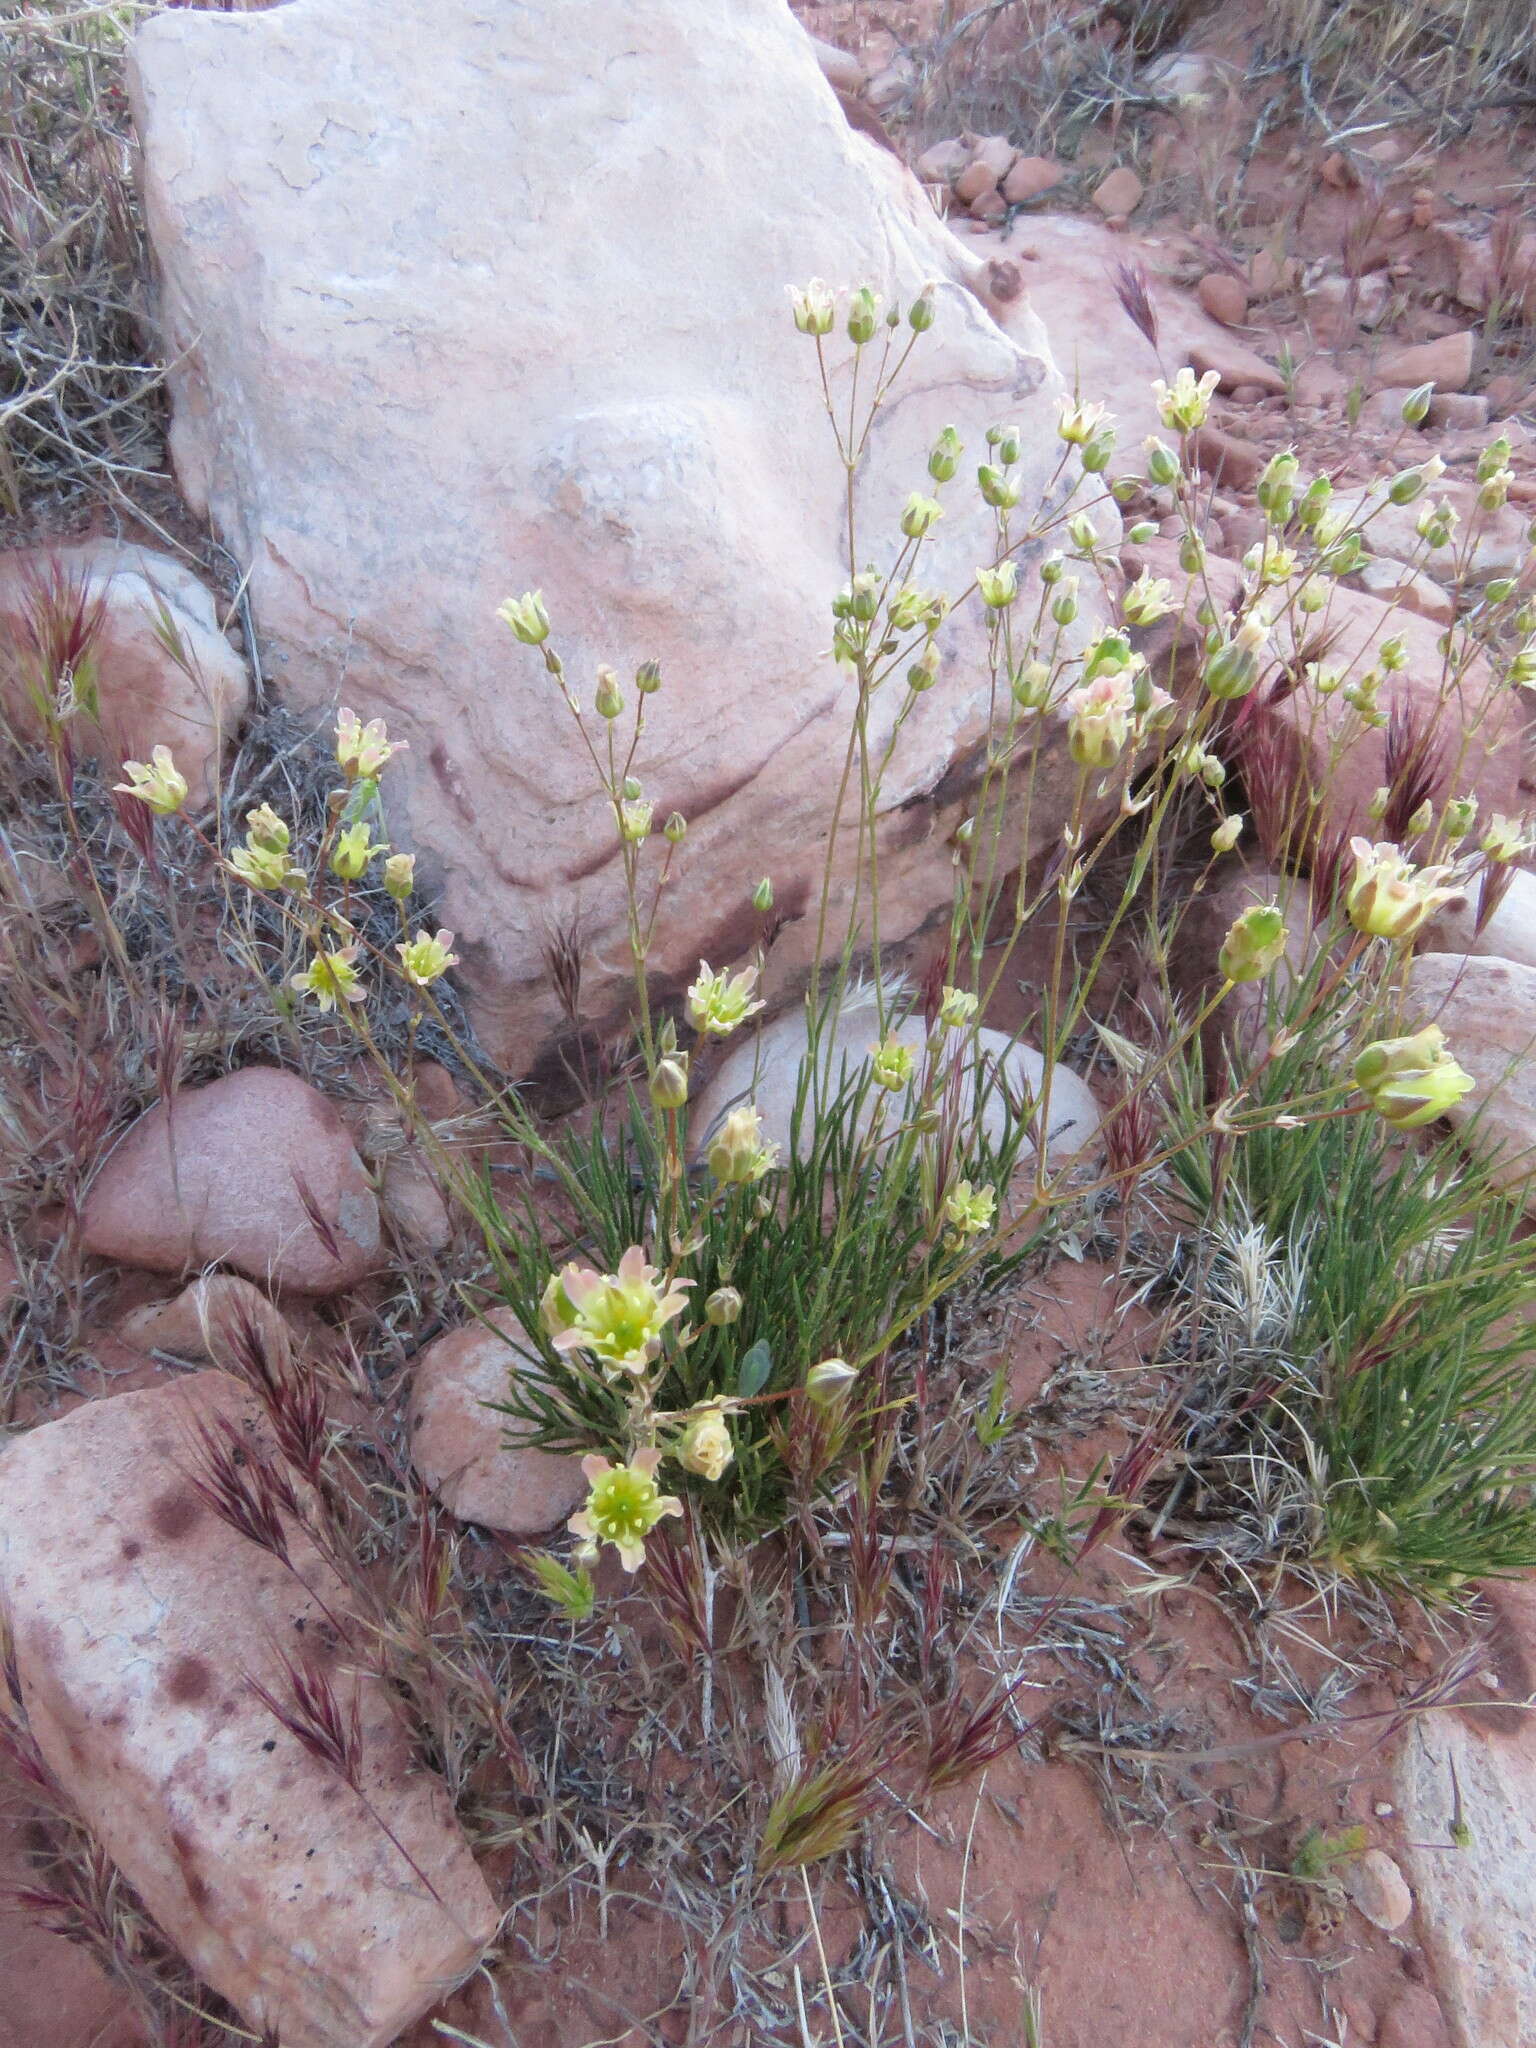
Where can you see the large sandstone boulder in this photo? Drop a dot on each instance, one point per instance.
(463, 299)
(141, 1620)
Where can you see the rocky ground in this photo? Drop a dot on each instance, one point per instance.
(1236, 1807)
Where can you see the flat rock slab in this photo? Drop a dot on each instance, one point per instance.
(462, 299)
(1475, 1903)
(229, 1174)
(140, 1620)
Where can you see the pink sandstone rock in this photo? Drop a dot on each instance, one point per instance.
(147, 697)
(140, 1622)
(459, 1446)
(205, 1322)
(223, 1178)
(1118, 192)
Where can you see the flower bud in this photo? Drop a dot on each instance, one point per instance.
(737, 1153)
(1084, 533)
(1493, 458)
(1415, 409)
(1162, 463)
(1052, 569)
(705, 1447)
(1407, 485)
(722, 1308)
(864, 595)
(999, 490)
(1498, 588)
(1191, 554)
(999, 586)
(762, 896)
(1458, 817)
(922, 312)
(1009, 443)
(1421, 820)
(648, 678)
(1276, 487)
(1393, 654)
(1254, 945)
(957, 1007)
(1032, 686)
(1411, 1081)
(1096, 455)
(527, 617)
(830, 1381)
(814, 307)
(635, 819)
(669, 1083)
(944, 456)
(863, 315)
(675, 830)
(924, 672)
(1142, 532)
(609, 700)
(1064, 603)
(1231, 671)
(1376, 809)
(353, 850)
(920, 515)
(400, 876)
(1314, 502)
(1227, 833)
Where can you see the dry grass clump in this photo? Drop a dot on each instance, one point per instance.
(79, 390)
(1039, 71)
(1437, 61)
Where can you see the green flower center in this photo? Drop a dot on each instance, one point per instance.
(623, 1319)
(624, 1505)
